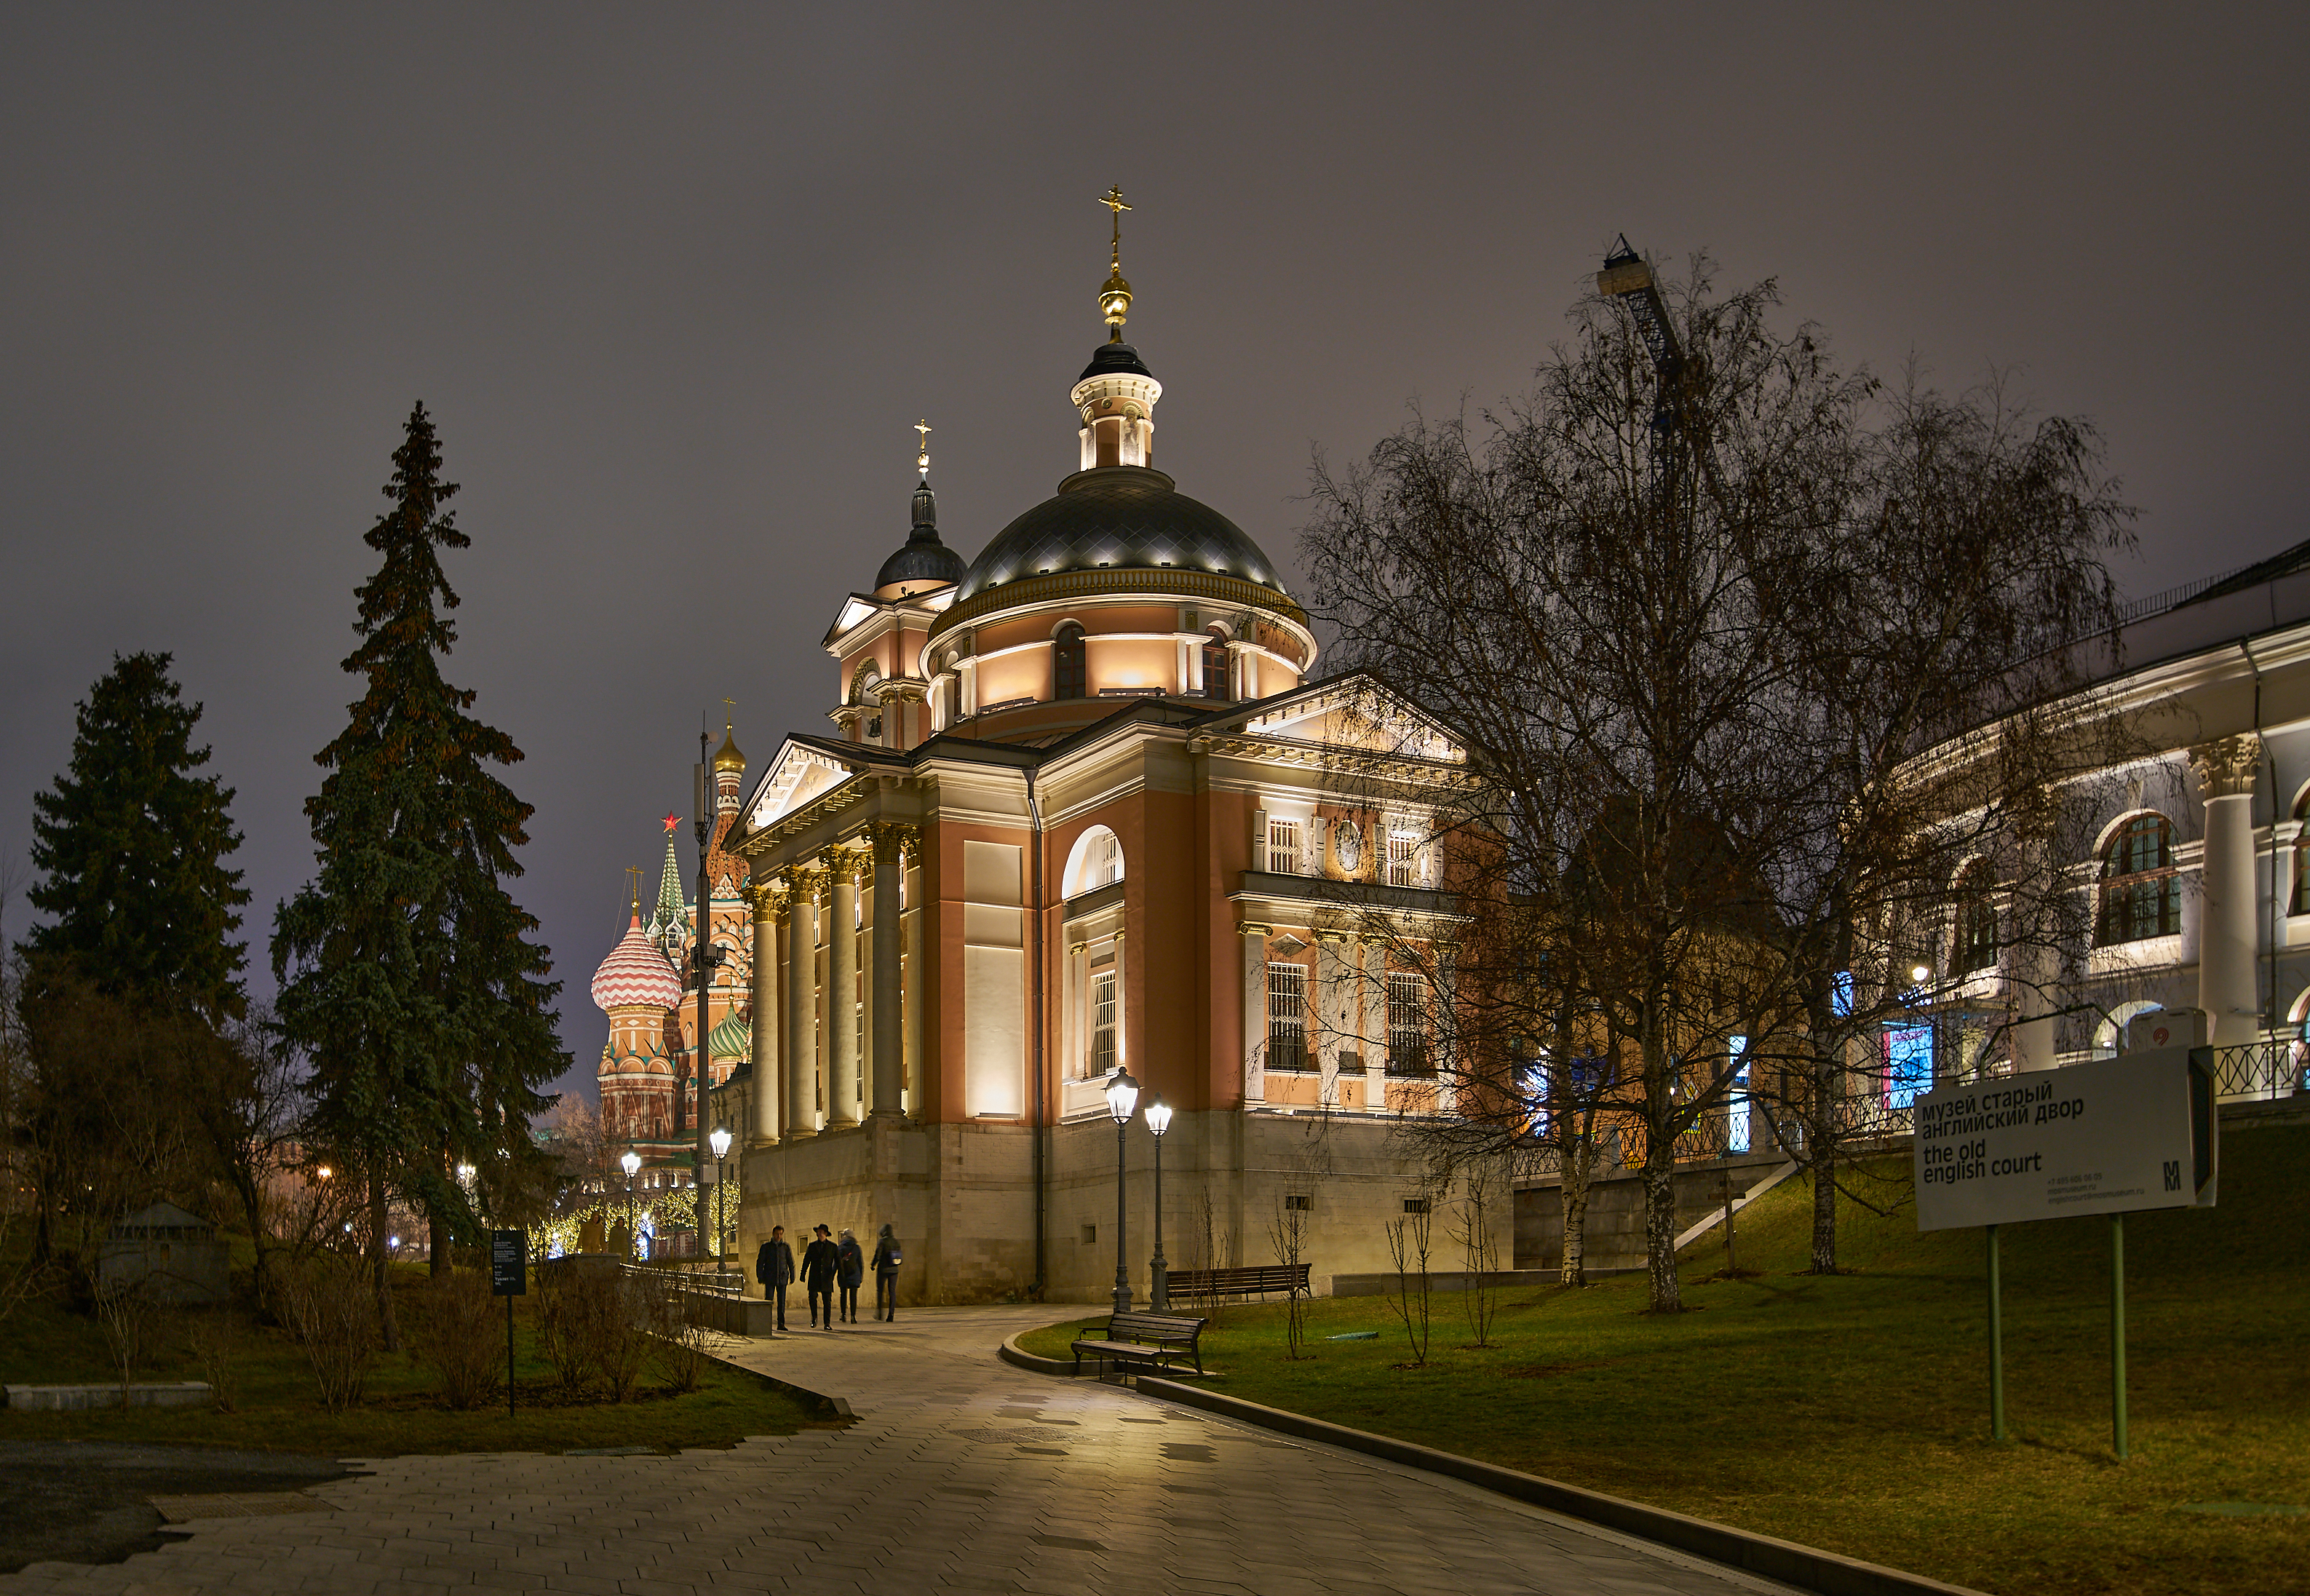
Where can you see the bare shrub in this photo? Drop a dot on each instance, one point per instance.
(462, 1339)
(218, 1339)
(623, 1314)
(1408, 1236)
(1286, 1228)
(684, 1340)
(1477, 1232)
(331, 1308)
(125, 1310)
(569, 1312)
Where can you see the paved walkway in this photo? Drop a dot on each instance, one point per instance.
(963, 1474)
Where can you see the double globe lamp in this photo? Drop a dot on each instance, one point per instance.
(1122, 1098)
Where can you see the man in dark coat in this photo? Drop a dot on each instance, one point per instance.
(774, 1267)
(852, 1270)
(887, 1259)
(820, 1262)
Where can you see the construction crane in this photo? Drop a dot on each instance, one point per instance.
(1627, 277)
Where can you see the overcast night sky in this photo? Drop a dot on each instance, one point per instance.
(675, 282)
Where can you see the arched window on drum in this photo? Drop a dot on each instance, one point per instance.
(2140, 891)
(1069, 659)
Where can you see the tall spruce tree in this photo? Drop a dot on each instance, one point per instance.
(131, 845)
(408, 973)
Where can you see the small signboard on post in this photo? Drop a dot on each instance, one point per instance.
(508, 1279)
(2112, 1137)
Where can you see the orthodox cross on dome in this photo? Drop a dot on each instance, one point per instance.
(1115, 297)
(923, 453)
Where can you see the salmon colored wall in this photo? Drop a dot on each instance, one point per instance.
(1134, 663)
(1015, 676)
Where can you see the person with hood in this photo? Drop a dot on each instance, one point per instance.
(819, 1263)
(886, 1276)
(774, 1267)
(852, 1271)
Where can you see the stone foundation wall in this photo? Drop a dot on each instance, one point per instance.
(1616, 1210)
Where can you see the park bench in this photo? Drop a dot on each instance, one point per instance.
(1149, 1339)
(1252, 1280)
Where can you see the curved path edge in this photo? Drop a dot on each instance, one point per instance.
(1827, 1572)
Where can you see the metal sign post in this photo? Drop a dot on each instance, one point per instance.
(508, 1279)
(1996, 1344)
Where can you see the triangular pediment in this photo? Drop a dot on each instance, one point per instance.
(799, 775)
(1354, 712)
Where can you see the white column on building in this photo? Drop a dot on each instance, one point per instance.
(1330, 967)
(801, 1004)
(911, 989)
(1448, 1062)
(883, 1011)
(2228, 985)
(1255, 1012)
(842, 992)
(769, 1081)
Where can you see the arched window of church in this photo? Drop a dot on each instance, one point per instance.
(1976, 921)
(1069, 663)
(1215, 664)
(2141, 893)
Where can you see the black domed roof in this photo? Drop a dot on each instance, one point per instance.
(922, 557)
(1111, 357)
(1119, 516)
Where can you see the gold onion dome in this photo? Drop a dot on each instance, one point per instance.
(727, 757)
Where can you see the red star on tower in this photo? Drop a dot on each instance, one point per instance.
(671, 822)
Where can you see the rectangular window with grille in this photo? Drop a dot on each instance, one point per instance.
(1415, 1205)
(1287, 1017)
(1407, 1024)
(1103, 1015)
(1403, 857)
(1305, 1201)
(1283, 847)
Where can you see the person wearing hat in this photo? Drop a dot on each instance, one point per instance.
(886, 1275)
(852, 1271)
(820, 1262)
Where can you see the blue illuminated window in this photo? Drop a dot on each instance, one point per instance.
(1908, 1063)
(1736, 1104)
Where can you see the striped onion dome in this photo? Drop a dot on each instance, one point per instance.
(732, 1038)
(635, 972)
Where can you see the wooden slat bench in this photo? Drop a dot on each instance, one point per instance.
(1252, 1280)
(1150, 1340)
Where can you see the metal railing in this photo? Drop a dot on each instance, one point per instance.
(2277, 1067)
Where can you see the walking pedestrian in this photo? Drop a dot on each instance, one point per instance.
(774, 1267)
(852, 1270)
(886, 1275)
(819, 1263)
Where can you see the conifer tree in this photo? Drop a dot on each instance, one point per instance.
(408, 973)
(131, 845)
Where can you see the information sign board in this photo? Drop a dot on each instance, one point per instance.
(509, 1263)
(2116, 1136)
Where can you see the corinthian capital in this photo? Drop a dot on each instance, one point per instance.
(2226, 768)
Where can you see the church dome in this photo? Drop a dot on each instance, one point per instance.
(732, 1038)
(1118, 517)
(922, 562)
(635, 972)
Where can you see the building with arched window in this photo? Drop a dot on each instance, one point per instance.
(2191, 894)
(1075, 817)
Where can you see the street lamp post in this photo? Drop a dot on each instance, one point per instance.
(1159, 1271)
(721, 1140)
(1122, 1097)
(632, 1164)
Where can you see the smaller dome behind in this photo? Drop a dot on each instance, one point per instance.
(923, 561)
(732, 1038)
(635, 972)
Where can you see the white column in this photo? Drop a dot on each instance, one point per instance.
(882, 1015)
(1255, 1012)
(769, 1082)
(801, 1005)
(842, 994)
(1324, 1012)
(911, 989)
(2228, 987)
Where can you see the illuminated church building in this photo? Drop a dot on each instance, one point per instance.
(1075, 816)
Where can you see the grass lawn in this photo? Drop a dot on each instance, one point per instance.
(1851, 1412)
(44, 1342)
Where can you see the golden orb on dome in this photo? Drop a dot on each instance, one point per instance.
(727, 757)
